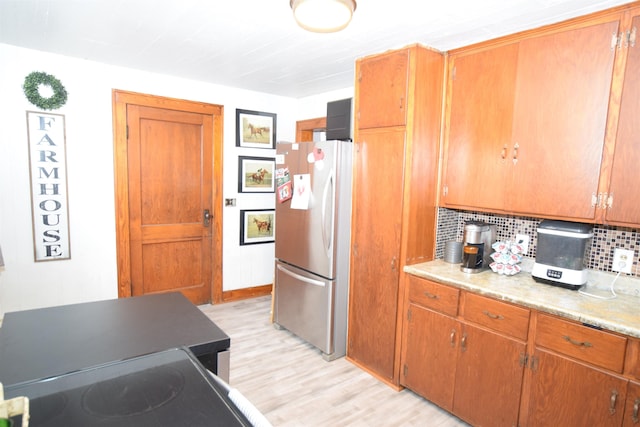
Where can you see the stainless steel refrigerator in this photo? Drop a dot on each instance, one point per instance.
(312, 242)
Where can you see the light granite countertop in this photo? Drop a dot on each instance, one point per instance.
(620, 314)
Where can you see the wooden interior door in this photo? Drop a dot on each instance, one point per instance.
(169, 235)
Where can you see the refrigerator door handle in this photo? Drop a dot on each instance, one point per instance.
(328, 242)
(300, 277)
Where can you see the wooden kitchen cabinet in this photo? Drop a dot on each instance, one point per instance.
(398, 104)
(375, 248)
(429, 355)
(575, 375)
(471, 366)
(632, 407)
(430, 343)
(482, 90)
(383, 83)
(572, 394)
(624, 180)
(535, 145)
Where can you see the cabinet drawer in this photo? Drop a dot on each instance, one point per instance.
(590, 345)
(432, 295)
(499, 316)
(632, 364)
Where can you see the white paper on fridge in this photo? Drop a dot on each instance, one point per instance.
(301, 191)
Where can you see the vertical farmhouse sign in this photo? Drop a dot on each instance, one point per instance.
(49, 206)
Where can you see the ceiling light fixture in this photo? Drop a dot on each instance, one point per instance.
(323, 16)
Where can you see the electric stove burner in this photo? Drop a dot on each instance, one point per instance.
(168, 388)
(133, 394)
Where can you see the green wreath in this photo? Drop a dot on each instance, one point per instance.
(33, 81)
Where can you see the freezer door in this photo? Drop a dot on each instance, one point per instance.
(304, 304)
(305, 237)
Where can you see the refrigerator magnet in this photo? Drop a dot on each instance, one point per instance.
(301, 191)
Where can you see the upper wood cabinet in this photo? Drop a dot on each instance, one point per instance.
(397, 135)
(621, 201)
(526, 123)
(482, 90)
(383, 82)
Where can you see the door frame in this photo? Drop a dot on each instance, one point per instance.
(120, 100)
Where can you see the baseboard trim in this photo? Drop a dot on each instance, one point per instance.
(246, 293)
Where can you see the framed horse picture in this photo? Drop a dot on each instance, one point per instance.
(255, 129)
(257, 226)
(256, 174)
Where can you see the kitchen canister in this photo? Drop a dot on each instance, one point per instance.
(453, 252)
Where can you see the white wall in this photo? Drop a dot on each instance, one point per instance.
(91, 273)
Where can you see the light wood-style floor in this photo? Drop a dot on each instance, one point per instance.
(292, 385)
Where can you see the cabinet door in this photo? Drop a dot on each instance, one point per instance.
(479, 132)
(567, 393)
(375, 264)
(625, 179)
(382, 90)
(429, 355)
(489, 378)
(632, 408)
(560, 115)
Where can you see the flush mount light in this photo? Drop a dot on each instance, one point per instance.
(323, 16)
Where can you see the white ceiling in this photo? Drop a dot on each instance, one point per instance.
(255, 44)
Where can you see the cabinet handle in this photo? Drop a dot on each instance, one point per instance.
(452, 340)
(206, 221)
(393, 264)
(493, 316)
(613, 401)
(578, 343)
(463, 342)
(515, 153)
(503, 153)
(636, 407)
(430, 296)
(632, 37)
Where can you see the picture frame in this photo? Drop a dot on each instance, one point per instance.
(256, 174)
(257, 226)
(255, 129)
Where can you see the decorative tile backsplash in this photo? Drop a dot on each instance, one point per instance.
(599, 253)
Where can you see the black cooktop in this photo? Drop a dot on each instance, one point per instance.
(168, 388)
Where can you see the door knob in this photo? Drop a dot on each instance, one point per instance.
(207, 218)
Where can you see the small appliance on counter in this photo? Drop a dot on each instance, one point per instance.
(560, 254)
(476, 249)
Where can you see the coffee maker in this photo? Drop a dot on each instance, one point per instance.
(476, 246)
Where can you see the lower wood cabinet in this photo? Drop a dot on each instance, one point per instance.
(632, 408)
(486, 362)
(430, 355)
(489, 377)
(465, 368)
(568, 393)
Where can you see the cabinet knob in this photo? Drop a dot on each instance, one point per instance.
(636, 407)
